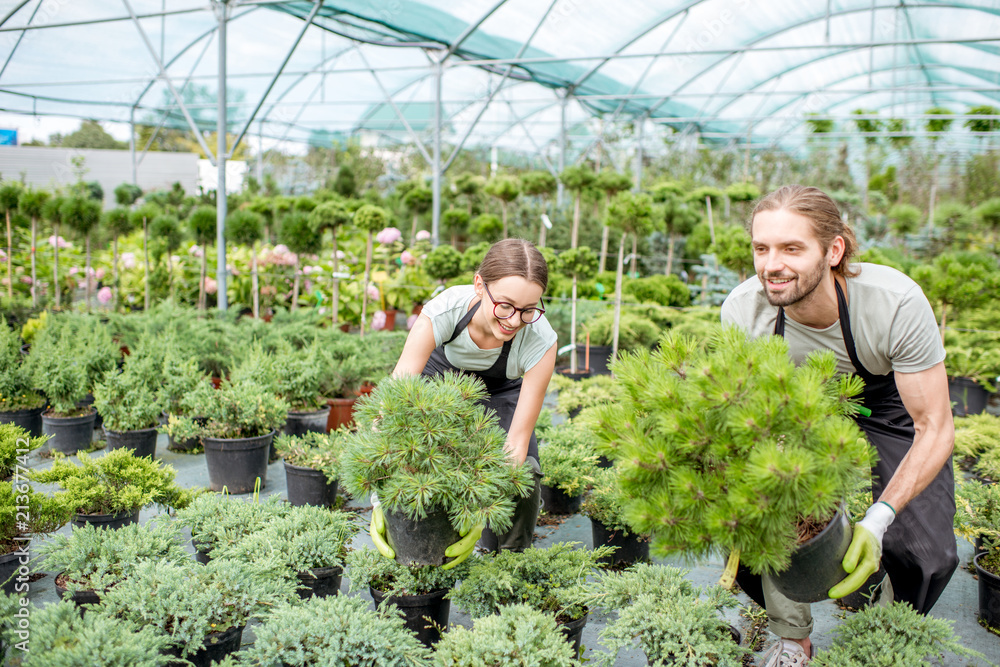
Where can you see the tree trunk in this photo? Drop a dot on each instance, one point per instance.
(336, 280)
(503, 215)
(55, 268)
(145, 252)
(541, 235)
(413, 229)
(114, 273)
(254, 281)
(34, 275)
(87, 269)
(295, 285)
(576, 220)
(670, 254)
(604, 247)
(711, 224)
(202, 293)
(635, 256)
(572, 330)
(10, 260)
(368, 275)
(618, 298)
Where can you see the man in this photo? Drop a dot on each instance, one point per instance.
(880, 326)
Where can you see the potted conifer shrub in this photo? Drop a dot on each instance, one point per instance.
(180, 376)
(569, 462)
(202, 610)
(219, 520)
(298, 374)
(517, 636)
(20, 404)
(543, 579)
(109, 490)
(312, 542)
(15, 445)
(418, 591)
(733, 449)
(977, 518)
(604, 504)
(669, 618)
(435, 458)
(89, 561)
(302, 634)
(45, 515)
(130, 404)
(311, 466)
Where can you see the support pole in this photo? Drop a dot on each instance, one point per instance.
(561, 191)
(131, 146)
(638, 154)
(436, 166)
(260, 153)
(220, 153)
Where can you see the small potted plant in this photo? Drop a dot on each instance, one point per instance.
(61, 635)
(574, 397)
(543, 579)
(311, 466)
(977, 518)
(518, 636)
(181, 376)
(666, 616)
(89, 561)
(435, 458)
(568, 463)
(201, 609)
(975, 444)
(298, 374)
(130, 405)
(302, 634)
(732, 448)
(219, 520)
(20, 404)
(895, 634)
(45, 515)
(972, 377)
(418, 591)
(604, 504)
(312, 542)
(15, 445)
(109, 490)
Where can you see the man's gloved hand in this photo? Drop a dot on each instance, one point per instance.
(463, 548)
(377, 532)
(863, 556)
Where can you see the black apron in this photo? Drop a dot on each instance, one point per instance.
(919, 551)
(502, 396)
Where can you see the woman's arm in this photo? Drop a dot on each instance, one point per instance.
(529, 404)
(417, 349)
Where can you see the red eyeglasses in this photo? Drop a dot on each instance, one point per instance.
(504, 311)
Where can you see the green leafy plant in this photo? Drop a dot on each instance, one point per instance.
(976, 363)
(112, 483)
(568, 459)
(661, 290)
(219, 520)
(187, 602)
(95, 559)
(732, 446)
(16, 388)
(367, 567)
(16, 443)
(543, 579)
(130, 401)
(977, 515)
(443, 263)
(605, 502)
(299, 374)
(240, 408)
(301, 634)
(318, 451)
(976, 438)
(635, 331)
(575, 396)
(45, 514)
(887, 636)
(673, 621)
(180, 376)
(426, 444)
(518, 636)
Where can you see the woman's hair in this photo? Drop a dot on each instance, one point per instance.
(816, 205)
(514, 257)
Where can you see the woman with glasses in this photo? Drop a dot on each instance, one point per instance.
(494, 329)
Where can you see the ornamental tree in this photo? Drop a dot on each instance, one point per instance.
(10, 193)
(202, 225)
(31, 203)
(506, 189)
(610, 183)
(117, 222)
(369, 218)
(245, 227)
(577, 179)
(52, 212)
(332, 215)
(82, 215)
(578, 263)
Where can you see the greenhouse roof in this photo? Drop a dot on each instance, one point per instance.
(508, 73)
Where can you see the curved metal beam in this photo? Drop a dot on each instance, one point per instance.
(471, 29)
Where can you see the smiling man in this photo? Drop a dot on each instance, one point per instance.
(881, 327)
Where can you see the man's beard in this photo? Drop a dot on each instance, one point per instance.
(802, 287)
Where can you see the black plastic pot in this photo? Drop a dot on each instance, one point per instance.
(141, 442)
(300, 423)
(320, 582)
(868, 594)
(69, 434)
(600, 358)
(573, 631)
(968, 397)
(604, 462)
(111, 521)
(30, 420)
(423, 614)
(580, 374)
(555, 501)
(182, 445)
(200, 555)
(309, 487)
(79, 598)
(817, 565)
(420, 542)
(236, 463)
(88, 402)
(217, 646)
(989, 595)
(630, 548)
(9, 565)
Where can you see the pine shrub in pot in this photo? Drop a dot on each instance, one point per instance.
(15, 445)
(605, 504)
(312, 467)
(731, 448)
(45, 515)
(59, 373)
(569, 461)
(518, 636)
(299, 374)
(432, 454)
(181, 376)
(20, 404)
(218, 520)
(130, 404)
(303, 634)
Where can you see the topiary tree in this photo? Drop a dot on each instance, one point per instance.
(474, 255)
(469, 186)
(117, 222)
(202, 225)
(245, 227)
(506, 189)
(10, 194)
(541, 184)
(732, 249)
(487, 226)
(610, 183)
(165, 229)
(960, 281)
(82, 215)
(301, 236)
(52, 211)
(332, 215)
(32, 203)
(417, 201)
(630, 214)
(371, 219)
(577, 263)
(576, 179)
(345, 184)
(127, 194)
(743, 194)
(709, 197)
(144, 216)
(456, 221)
(677, 216)
(443, 263)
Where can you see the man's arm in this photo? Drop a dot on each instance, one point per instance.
(925, 396)
(529, 405)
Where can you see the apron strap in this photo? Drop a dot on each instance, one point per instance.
(464, 322)
(499, 367)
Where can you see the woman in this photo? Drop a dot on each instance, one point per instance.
(494, 329)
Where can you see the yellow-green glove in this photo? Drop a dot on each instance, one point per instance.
(463, 548)
(377, 532)
(862, 558)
